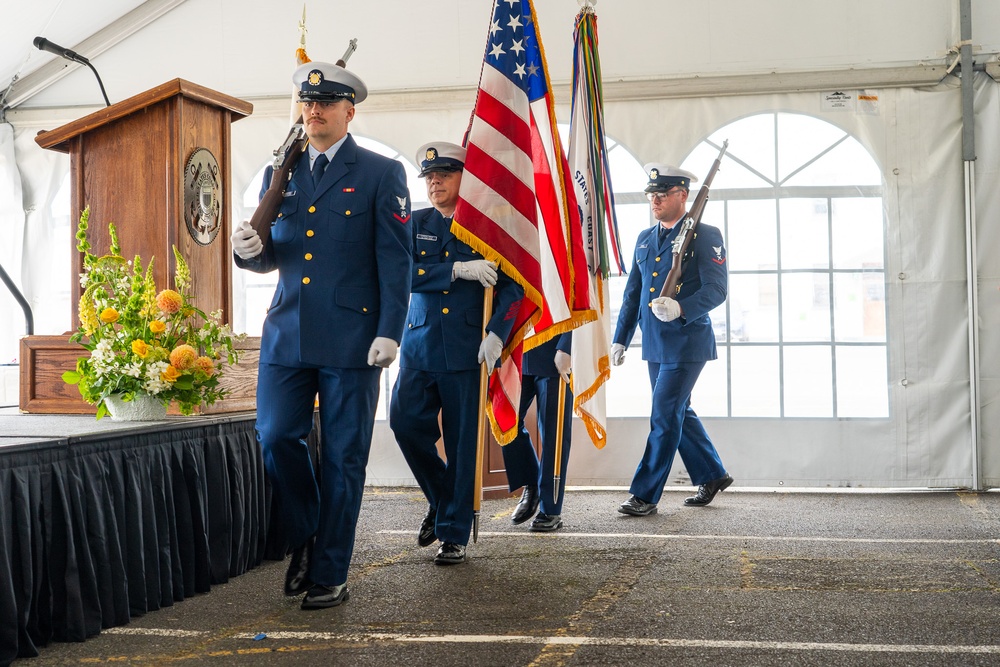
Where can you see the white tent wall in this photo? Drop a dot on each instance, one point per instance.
(988, 242)
(915, 138)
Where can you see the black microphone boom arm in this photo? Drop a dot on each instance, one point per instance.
(45, 45)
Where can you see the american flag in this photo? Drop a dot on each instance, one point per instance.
(516, 205)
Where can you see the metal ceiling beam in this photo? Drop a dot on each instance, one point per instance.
(102, 40)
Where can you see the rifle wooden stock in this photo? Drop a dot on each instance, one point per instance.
(688, 225)
(286, 156)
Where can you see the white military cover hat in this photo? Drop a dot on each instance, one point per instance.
(662, 177)
(440, 156)
(328, 82)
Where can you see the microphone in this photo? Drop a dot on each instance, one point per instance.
(45, 45)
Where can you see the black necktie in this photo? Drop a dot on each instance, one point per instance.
(660, 233)
(319, 166)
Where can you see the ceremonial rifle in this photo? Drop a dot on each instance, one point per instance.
(688, 224)
(286, 156)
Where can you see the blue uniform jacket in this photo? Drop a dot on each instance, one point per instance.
(444, 327)
(704, 280)
(342, 251)
(540, 361)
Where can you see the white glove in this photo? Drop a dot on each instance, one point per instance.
(564, 364)
(382, 352)
(489, 351)
(478, 269)
(617, 354)
(666, 309)
(246, 242)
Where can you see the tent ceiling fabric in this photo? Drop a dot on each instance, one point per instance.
(245, 47)
(66, 24)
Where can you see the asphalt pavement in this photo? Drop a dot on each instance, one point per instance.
(759, 577)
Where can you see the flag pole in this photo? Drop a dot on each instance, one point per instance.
(484, 376)
(560, 416)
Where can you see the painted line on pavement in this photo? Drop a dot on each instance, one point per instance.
(762, 538)
(627, 642)
(154, 632)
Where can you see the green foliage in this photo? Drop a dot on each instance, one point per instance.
(144, 341)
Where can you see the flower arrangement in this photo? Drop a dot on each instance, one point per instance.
(144, 341)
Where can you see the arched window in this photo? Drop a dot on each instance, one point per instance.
(803, 332)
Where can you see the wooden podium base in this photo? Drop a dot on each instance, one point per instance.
(45, 358)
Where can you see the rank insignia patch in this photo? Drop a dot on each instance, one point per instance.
(720, 256)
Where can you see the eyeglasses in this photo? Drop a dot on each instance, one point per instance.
(322, 104)
(660, 196)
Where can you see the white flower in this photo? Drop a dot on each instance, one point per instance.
(154, 384)
(102, 355)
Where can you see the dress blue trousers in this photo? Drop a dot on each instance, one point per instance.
(674, 426)
(417, 398)
(323, 503)
(523, 467)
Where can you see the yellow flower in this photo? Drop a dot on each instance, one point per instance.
(88, 313)
(205, 365)
(169, 301)
(170, 374)
(109, 315)
(140, 348)
(183, 356)
(157, 326)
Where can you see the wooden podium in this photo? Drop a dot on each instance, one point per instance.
(158, 166)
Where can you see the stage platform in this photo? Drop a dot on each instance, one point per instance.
(102, 521)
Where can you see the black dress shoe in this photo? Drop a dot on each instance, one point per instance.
(297, 577)
(527, 506)
(637, 507)
(707, 491)
(545, 523)
(450, 554)
(426, 536)
(324, 597)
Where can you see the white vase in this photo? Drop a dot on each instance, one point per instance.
(142, 407)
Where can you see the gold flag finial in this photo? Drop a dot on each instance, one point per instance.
(302, 29)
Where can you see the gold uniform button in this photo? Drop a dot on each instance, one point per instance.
(280, 214)
(444, 292)
(657, 259)
(310, 232)
(305, 281)
(364, 310)
(312, 209)
(309, 256)
(347, 212)
(423, 252)
(444, 310)
(420, 272)
(410, 325)
(655, 274)
(445, 253)
(652, 289)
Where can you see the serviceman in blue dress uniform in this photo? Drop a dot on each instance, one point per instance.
(677, 341)
(543, 369)
(441, 352)
(341, 244)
